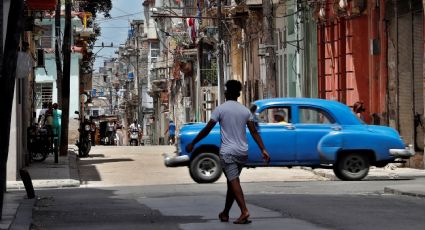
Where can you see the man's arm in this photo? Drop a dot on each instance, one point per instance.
(258, 140)
(204, 132)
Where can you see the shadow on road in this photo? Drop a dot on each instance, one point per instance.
(103, 161)
(87, 208)
(88, 171)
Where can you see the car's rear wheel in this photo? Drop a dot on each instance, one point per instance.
(205, 168)
(351, 166)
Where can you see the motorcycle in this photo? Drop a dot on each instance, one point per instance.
(110, 138)
(39, 144)
(134, 138)
(84, 142)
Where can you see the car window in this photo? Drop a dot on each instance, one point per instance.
(275, 115)
(310, 115)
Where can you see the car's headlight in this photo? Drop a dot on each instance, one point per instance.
(87, 127)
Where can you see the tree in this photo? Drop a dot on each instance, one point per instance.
(15, 27)
(98, 6)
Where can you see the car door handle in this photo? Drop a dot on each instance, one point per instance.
(290, 127)
(336, 128)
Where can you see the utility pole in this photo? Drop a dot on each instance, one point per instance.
(15, 27)
(66, 78)
(269, 47)
(59, 72)
(139, 86)
(220, 53)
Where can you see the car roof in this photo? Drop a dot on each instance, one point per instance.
(339, 110)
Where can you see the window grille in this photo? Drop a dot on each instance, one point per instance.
(44, 94)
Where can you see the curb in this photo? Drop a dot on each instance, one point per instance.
(326, 175)
(398, 192)
(45, 184)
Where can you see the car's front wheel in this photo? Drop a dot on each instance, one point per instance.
(205, 168)
(352, 166)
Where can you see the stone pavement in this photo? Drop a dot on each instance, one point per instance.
(17, 210)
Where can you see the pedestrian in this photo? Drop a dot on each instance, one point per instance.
(57, 116)
(358, 109)
(233, 118)
(171, 132)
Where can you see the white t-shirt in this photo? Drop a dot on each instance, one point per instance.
(133, 127)
(233, 117)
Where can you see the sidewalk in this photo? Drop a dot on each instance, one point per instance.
(17, 209)
(388, 173)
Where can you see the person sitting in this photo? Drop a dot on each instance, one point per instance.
(134, 127)
(279, 117)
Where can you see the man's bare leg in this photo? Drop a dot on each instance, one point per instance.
(230, 198)
(240, 199)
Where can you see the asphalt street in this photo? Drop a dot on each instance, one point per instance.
(129, 188)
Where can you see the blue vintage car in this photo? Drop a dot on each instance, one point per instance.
(299, 132)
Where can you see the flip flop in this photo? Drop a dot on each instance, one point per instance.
(223, 218)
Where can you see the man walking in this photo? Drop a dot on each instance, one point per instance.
(233, 118)
(171, 132)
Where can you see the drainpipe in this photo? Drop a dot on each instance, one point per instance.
(198, 87)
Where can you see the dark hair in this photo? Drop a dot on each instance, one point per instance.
(358, 107)
(233, 87)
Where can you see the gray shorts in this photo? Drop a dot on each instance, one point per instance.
(231, 170)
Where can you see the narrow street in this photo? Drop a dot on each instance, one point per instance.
(130, 188)
(135, 166)
(336, 85)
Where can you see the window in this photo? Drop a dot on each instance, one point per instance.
(308, 115)
(44, 93)
(291, 22)
(154, 49)
(276, 115)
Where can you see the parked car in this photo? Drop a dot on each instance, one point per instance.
(299, 132)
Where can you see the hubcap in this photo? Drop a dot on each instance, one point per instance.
(207, 167)
(354, 165)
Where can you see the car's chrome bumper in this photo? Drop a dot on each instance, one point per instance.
(175, 161)
(403, 153)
